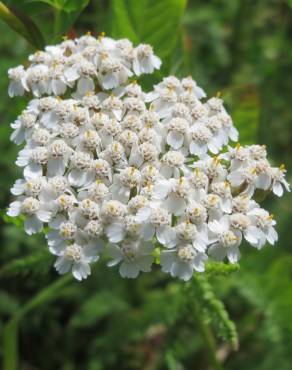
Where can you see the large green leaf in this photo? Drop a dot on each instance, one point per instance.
(156, 22)
(64, 5)
(65, 13)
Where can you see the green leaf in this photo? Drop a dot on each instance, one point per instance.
(221, 268)
(96, 308)
(122, 25)
(156, 22)
(9, 303)
(23, 25)
(65, 13)
(245, 111)
(68, 6)
(17, 221)
(171, 362)
(213, 310)
(38, 262)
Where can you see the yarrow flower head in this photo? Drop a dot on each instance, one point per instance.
(137, 177)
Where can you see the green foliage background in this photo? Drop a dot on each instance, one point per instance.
(241, 48)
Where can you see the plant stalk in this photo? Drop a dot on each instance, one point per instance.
(22, 24)
(10, 332)
(207, 336)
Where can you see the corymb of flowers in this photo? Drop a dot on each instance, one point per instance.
(140, 177)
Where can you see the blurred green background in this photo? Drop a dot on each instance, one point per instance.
(242, 48)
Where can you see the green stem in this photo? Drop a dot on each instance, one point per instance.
(207, 336)
(57, 23)
(10, 332)
(10, 345)
(23, 25)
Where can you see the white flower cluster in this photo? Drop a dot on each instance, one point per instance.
(139, 177)
(84, 62)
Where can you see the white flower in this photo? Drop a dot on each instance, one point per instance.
(17, 77)
(226, 240)
(57, 238)
(164, 100)
(215, 105)
(239, 221)
(77, 258)
(23, 126)
(115, 155)
(102, 170)
(175, 192)
(94, 229)
(213, 168)
(118, 229)
(257, 152)
(81, 163)
(129, 179)
(182, 261)
(57, 82)
(132, 90)
(246, 177)
(65, 202)
(144, 60)
(186, 232)
(36, 213)
(32, 187)
(144, 153)
(239, 157)
(196, 213)
(199, 181)
(37, 80)
(177, 132)
(264, 223)
(87, 209)
(172, 164)
(189, 84)
(33, 161)
(137, 202)
(156, 221)
(113, 210)
(134, 256)
(58, 156)
(170, 82)
(112, 73)
(54, 187)
(128, 139)
(198, 111)
(230, 131)
(84, 72)
(223, 189)
(203, 140)
(279, 181)
(97, 191)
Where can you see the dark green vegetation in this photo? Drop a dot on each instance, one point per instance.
(241, 48)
